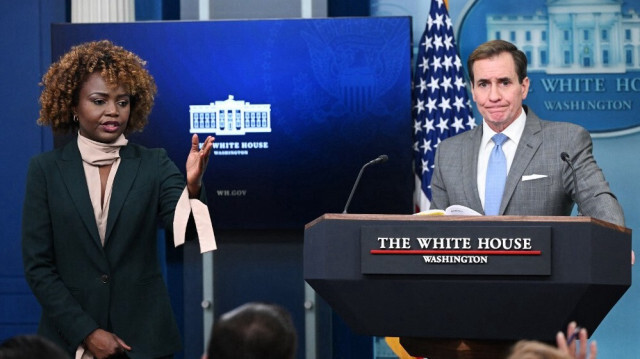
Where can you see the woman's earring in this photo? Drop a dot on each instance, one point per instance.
(75, 118)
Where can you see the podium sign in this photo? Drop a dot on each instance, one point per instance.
(476, 250)
(569, 268)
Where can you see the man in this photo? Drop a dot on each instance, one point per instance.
(536, 180)
(253, 331)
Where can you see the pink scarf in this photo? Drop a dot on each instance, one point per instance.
(95, 154)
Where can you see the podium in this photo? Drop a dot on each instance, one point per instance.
(452, 284)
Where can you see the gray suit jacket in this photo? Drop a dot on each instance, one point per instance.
(454, 179)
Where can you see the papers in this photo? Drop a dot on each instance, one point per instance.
(458, 210)
(453, 210)
(431, 212)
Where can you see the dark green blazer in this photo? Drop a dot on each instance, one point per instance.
(82, 285)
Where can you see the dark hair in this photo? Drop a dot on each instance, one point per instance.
(31, 347)
(117, 66)
(494, 48)
(253, 331)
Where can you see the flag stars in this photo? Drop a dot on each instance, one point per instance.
(444, 104)
(423, 85)
(424, 64)
(459, 83)
(425, 166)
(436, 64)
(428, 44)
(426, 146)
(457, 124)
(419, 106)
(439, 21)
(431, 104)
(471, 122)
(442, 125)
(428, 126)
(459, 103)
(448, 42)
(437, 42)
(433, 84)
(417, 127)
(457, 63)
(446, 83)
(447, 62)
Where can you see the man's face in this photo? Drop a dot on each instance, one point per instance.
(497, 92)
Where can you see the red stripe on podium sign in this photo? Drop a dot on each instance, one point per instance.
(457, 252)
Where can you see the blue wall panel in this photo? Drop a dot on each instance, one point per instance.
(25, 45)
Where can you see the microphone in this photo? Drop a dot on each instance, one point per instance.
(380, 159)
(566, 158)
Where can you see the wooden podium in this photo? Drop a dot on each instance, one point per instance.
(466, 287)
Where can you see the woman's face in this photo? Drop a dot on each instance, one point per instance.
(103, 111)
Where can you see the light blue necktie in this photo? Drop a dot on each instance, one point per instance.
(496, 176)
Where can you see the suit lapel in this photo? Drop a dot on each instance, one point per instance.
(127, 171)
(70, 164)
(470, 170)
(530, 141)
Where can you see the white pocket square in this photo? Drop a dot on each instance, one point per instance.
(532, 177)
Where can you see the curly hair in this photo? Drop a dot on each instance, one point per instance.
(117, 66)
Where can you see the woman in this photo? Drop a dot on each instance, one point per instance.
(91, 209)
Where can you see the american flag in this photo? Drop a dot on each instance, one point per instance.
(441, 106)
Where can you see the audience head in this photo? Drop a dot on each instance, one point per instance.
(253, 331)
(31, 347)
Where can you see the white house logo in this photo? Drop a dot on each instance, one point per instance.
(573, 37)
(231, 118)
(583, 56)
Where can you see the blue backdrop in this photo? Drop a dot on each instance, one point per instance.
(339, 94)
